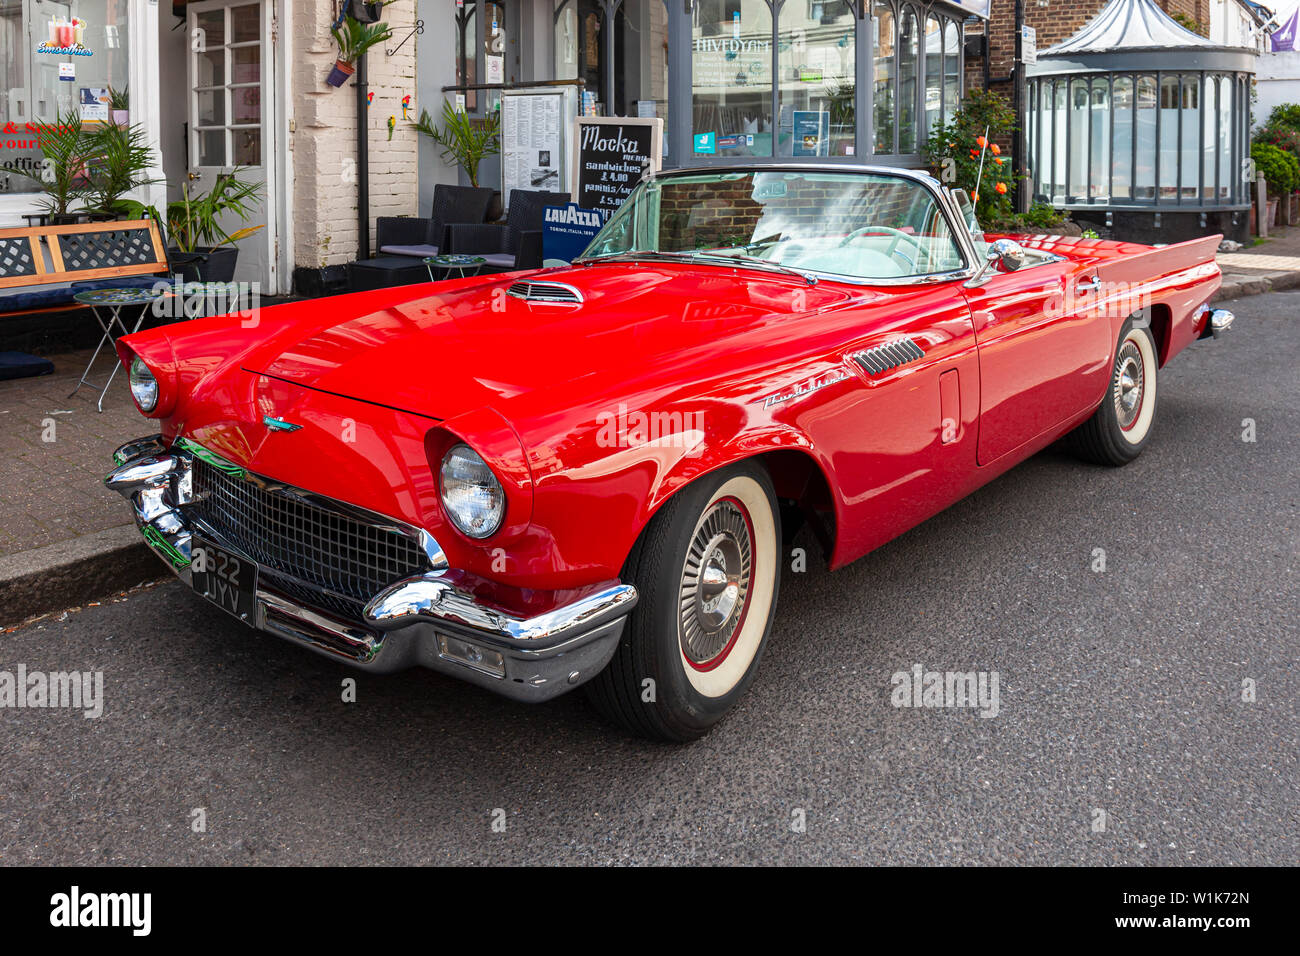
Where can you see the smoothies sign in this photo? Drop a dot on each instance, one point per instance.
(613, 154)
(65, 37)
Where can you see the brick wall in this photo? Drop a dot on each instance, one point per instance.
(325, 140)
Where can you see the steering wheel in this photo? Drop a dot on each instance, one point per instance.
(898, 235)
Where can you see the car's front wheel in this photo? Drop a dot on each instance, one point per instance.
(707, 571)
(1119, 429)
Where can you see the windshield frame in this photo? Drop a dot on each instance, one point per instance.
(944, 202)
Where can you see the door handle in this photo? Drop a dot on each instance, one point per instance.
(1089, 285)
(195, 176)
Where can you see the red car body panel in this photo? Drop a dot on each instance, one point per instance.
(735, 362)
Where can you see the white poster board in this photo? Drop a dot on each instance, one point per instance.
(536, 138)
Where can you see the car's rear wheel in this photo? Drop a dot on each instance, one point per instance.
(707, 571)
(1119, 429)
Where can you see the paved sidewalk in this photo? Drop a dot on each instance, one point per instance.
(54, 452)
(1270, 266)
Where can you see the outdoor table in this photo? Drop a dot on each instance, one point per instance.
(464, 265)
(110, 303)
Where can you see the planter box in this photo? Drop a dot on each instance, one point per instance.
(205, 264)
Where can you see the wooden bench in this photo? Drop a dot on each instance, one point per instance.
(43, 267)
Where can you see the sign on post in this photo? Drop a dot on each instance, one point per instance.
(611, 155)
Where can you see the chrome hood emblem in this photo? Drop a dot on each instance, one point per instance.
(279, 424)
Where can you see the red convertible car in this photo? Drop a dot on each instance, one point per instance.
(585, 475)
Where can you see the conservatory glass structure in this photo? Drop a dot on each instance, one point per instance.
(1134, 112)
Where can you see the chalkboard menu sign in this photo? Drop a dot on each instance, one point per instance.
(612, 154)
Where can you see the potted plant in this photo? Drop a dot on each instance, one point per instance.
(119, 160)
(464, 140)
(354, 38)
(62, 174)
(200, 249)
(119, 105)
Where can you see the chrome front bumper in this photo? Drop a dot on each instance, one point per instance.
(428, 620)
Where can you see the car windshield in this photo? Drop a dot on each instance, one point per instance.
(849, 224)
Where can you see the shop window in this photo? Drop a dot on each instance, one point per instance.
(1168, 184)
(566, 41)
(951, 70)
(816, 50)
(1144, 168)
(641, 59)
(1225, 140)
(1099, 141)
(32, 38)
(1122, 167)
(466, 61)
(933, 74)
(908, 57)
(731, 78)
(885, 45)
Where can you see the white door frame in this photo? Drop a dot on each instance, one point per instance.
(270, 129)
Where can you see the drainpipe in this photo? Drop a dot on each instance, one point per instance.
(363, 162)
(1018, 106)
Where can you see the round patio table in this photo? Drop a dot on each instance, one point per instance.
(107, 306)
(463, 265)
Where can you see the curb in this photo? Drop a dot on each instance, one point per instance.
(70, 573)
(1237, 286)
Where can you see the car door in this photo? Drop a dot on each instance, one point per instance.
(905, 443)
(1044, 349)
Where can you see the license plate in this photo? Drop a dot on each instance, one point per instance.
(225, 579)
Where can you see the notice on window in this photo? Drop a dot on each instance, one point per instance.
(612, 155)
(532, 147)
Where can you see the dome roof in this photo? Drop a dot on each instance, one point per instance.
(1128, 25)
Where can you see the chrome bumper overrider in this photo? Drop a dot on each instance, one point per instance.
(428, 620)
(1217, 322)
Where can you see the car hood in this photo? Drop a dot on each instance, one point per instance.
(440, 352)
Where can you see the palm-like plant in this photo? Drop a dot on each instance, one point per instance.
(463, 140)
(65, 150)
(119, 161)
(355, 38)
(193, 222)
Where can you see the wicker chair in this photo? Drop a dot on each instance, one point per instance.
(515, 245)
(418, 238)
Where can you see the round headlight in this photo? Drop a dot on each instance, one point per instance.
(471, 494)
(144, 387)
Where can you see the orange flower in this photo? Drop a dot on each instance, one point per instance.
(1001, 188)
(975, 197)
(981, 142)
(999, 160)
(996, 150)
(974, 153)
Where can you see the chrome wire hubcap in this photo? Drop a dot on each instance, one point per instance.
(1128, 384)
(715, 582)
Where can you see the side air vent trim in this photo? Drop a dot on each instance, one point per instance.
(884, 358)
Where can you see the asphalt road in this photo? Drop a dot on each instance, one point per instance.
(1119, 691)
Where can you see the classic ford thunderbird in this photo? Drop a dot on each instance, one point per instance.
(590, 474)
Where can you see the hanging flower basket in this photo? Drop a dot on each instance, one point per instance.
(341, 73)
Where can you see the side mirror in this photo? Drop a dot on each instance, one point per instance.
(1008, 254)
(1002, 252)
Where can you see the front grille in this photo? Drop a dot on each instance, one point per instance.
(325, 558)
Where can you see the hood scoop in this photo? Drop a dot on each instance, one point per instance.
(545, 291)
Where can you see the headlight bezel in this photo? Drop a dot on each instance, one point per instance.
(140, 386)
(465, 455)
